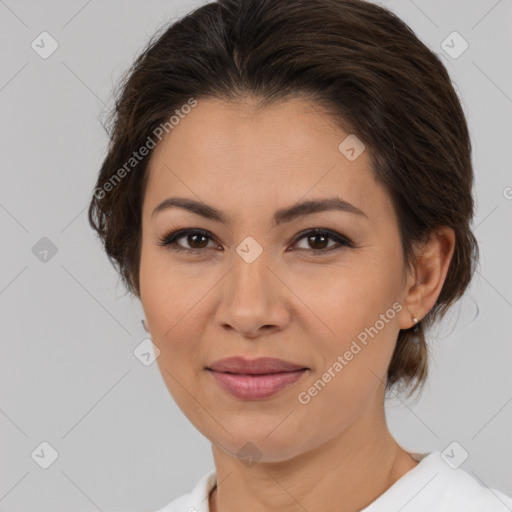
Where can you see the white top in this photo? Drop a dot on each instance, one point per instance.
(431, 486)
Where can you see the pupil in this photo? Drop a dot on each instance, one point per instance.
(317, 236)
(193, 237)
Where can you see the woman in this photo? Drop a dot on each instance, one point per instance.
(288, 193)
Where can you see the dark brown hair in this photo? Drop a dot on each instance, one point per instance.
(358, 61)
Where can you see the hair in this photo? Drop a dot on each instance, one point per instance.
(360, 63)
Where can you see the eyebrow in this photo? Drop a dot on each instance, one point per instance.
(281, 216)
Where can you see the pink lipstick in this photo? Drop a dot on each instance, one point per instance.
(255, 379)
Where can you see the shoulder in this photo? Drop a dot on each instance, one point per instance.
(197, 499)
(458, 490)
(177, 505)
(435, 485)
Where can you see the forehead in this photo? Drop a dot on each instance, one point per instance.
(289, 128)
(231, 154)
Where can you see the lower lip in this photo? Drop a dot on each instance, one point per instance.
(252, 387)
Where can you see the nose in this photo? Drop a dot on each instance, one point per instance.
(253, 300)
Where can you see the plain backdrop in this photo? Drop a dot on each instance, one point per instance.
(71, 386)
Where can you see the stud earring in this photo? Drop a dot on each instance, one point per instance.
(415, 327)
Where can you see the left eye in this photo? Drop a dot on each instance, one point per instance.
(316, 238)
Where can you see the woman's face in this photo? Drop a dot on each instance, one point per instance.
(252, 287)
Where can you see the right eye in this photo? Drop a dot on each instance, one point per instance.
(194, 237)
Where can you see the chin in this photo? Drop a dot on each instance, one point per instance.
(251, 451)
(257, 444)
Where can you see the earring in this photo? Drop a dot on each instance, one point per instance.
(143, 321)
(416, 320)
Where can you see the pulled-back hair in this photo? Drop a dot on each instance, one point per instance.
(361, 64)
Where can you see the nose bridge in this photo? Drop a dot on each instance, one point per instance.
(250, 276)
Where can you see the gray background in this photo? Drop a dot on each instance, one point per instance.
(68, 374)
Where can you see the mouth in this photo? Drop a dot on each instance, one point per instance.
(255, 379)
(259, 366)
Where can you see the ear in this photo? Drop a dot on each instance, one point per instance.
(426, 277)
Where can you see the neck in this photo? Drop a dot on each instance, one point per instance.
(346, 473)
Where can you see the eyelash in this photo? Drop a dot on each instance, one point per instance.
(169, 240)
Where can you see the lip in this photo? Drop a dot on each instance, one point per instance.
(255, 379)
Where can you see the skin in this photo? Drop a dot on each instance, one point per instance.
(335, 452)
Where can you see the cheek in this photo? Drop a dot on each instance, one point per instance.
(359, 314)
(348, 300)
(173, 299)
(165, 308)
(352, 362)
(171, 308)
(164, 291)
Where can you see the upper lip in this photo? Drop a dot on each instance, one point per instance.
(259, 366)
